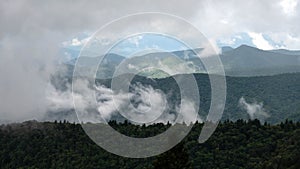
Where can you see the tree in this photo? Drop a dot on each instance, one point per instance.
(176, 158)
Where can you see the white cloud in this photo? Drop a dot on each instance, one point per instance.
(289, 6)
(188, 112)
(254, 110)
(75, 42)
(59, 100)
(131, 66)
(228, 41)
(286, 40)
(144, 105)
(135, 40)
(218, 19)
(259, 41)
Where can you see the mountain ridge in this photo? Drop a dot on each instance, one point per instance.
(241, 61)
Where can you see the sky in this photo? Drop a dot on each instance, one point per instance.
(35, 35)
(262, 24)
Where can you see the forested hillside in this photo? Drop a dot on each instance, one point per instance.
(237, 144)
(277, 96)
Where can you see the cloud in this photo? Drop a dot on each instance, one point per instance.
(25, 68)
(289, 6)
(286, 40)
(254, 110)
(143, 105)
(131, 66)
(59, 100)
(228, 41)
(76, 42)
(135, 40)
(259, 41)
(247, 17)
(187, 112)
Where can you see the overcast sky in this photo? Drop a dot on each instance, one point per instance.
(32, 34)
(262, 20)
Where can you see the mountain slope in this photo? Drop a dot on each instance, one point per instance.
(277, 96)
(241, 61)
(250, 61)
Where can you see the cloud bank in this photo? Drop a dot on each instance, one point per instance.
(143, 105)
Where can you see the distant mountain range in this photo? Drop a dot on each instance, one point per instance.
(263, 80)
(250, 61)
(241, 61)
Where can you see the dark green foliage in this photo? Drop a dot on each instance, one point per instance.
(177, 158)
(280, 94)
(240, 144)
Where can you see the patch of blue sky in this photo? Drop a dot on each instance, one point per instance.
(236, 40)
(273, 43)
(147, 42)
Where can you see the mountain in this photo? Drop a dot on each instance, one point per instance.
(250, 61)
(184, 61)
(241, 61)
(87, 64)
(226, 49)
(163, 64)
(286, 52)
(279, 94)
(275, 97)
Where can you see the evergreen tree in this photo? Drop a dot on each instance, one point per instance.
(176, 158)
